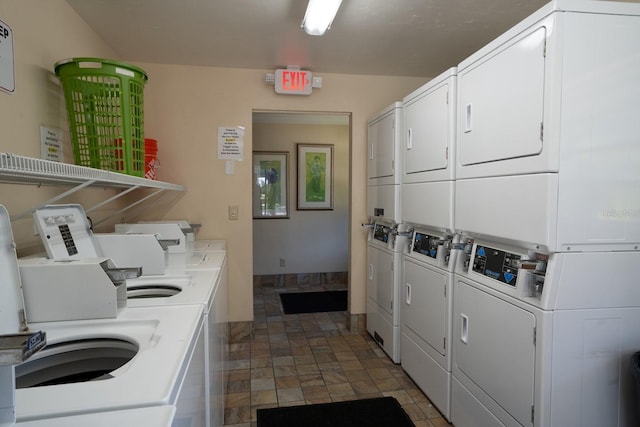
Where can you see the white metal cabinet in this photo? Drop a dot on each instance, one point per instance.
(424, 307)
(557, 95)
(383, 135)
(383, 319)
(429, 152)
(500, 102)
(429, 128)
(495, 349)
(426, 331)
(383, 201)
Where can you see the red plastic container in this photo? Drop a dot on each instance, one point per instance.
(150, 158)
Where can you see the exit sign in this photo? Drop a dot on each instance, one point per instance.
(293, 82)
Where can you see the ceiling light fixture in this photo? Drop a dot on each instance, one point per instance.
(319, 16)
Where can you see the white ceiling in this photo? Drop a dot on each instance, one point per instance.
(372, 37)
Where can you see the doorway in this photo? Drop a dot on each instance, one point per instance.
(307, 249)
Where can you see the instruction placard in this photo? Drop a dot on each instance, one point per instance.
(7, 70)
(50, 144)
(230, 143)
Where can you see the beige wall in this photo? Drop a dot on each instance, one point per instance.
(184, 106)
(183, 109)
(308, 241)
(44, 31)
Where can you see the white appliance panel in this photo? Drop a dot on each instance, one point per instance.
(385, 279)
(383, 201)
(157, 416)
(372, 280)
(496, 352)
(468, 411)
(521, 209)
(383, 146)
(424, 307)
(491, 126)
(592, 384)
(383, 315)
(11, 298)
(387, 336)
(426, 372)
(191, 401)
(429, 129)
(165, 337)
(372, 314)
(165, 231)
(429, 203)
(600, 170)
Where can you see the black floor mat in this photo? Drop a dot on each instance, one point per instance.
(378, 412)
(313, 302)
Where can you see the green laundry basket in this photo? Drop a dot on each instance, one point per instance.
(105, 101)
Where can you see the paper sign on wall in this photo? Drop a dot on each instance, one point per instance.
(7, 70)
(50, 144)
(230, 143)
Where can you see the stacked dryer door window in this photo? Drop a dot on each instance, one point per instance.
(428, 189)
(546, 305)
(384, 245)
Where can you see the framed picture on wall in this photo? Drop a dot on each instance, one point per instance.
(270, 184)
(315, 176)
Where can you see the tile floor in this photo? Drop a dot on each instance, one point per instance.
(311, 358)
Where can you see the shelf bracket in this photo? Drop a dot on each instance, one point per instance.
(111, 199)
(147, 197)
(53, 199)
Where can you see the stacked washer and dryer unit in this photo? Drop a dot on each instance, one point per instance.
(547, 292)
(386, 241)
(520, 291)
(428, 182)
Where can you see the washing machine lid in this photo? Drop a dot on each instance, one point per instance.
(11, 301)
(66, 232)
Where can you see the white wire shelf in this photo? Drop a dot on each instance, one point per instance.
(28, 170)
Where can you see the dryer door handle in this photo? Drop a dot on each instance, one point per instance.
(464, 328)
(468, 122)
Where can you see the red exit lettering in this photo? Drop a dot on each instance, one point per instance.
(295, 82)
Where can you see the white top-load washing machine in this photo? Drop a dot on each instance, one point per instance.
(184, 256)
(206, 287)
(144, 357)
(140, 359)
(384, 243)
(546, 301)
(428, 189)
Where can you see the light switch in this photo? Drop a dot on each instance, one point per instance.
(230, 167)
(233, 212)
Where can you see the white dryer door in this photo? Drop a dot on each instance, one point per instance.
(427, 132)
(494, 348)
(500, 103)
(424, 308)
(382, 144)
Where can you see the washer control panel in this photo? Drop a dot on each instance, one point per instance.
(426, 244)
(381, 232)
(496, 264)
